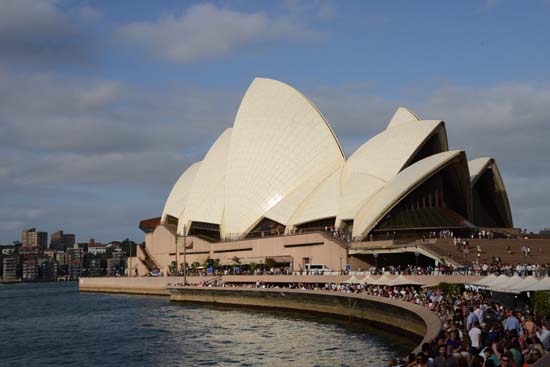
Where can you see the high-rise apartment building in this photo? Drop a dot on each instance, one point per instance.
(62, 241)
(31, 238)
(9, 268)
(30, 269)
(69, 240)
(116, 265)
(75, 257)
(94, 267)
(47, 268)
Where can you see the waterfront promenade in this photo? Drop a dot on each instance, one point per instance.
(413, 320)
(407, 313)
(159, 285)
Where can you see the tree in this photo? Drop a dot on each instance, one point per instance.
(541, 304)
(270, 263)
(448, 288)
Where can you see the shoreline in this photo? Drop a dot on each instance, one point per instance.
(393, 315)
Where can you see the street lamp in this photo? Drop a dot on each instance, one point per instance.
(184, 235)
(177, 236)
(416, 254)
(376, 260)
(341, 265)
(184, 256)
(130, 262)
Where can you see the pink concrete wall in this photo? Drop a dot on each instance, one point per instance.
(161, 243)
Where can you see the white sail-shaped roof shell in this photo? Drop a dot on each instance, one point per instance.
(205, 201)
(178, 196)
(284, 211)
(279, 141)
(282, 161)
(397, 188)
(382, 158)
(402, 116)
(477, 167)
(322, 203)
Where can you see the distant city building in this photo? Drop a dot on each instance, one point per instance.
(116, 264)
(94, 267)
(74, 260)
(61, 258)
(8, 251)
(69, 240)
(47, 269)
(9, 266)
(49, 253)
(33, 239)
(56, 241)
(61, 241)
(97, 249)
(545, 231)
(30, 269)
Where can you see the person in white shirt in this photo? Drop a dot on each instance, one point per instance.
(544, 335)
(479, 313)
(475, 337)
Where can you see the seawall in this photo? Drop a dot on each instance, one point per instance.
(136, 285)
(400, 316)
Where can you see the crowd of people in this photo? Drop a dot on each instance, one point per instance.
(476, 330)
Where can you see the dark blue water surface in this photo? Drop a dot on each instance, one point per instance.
(53, 324)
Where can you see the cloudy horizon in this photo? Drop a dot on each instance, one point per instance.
(103, 105)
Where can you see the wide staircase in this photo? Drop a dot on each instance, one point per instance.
(148, 260)
(539, 254)
(338, 240)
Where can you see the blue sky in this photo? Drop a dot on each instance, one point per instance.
(103, 104)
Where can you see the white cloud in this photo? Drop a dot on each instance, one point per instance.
(205, 31)
(38, 32)
(43, 114)
(87, 13)
(298, 9)
(101, 93)
(508, 122)
(95, 137)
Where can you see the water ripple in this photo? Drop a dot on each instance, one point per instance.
(53, 324)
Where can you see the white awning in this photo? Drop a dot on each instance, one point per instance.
(542, 285)
(353, 280)
(482, 282)
(506, 285)
(403, 280)
(383, 280)
(525, 285)
(501, 279)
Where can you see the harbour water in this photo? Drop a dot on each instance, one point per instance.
(53, 324)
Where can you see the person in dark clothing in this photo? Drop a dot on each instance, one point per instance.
(443, 360)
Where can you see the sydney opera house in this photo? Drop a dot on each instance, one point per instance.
(278, 184)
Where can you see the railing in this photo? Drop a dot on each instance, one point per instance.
(149, 260)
